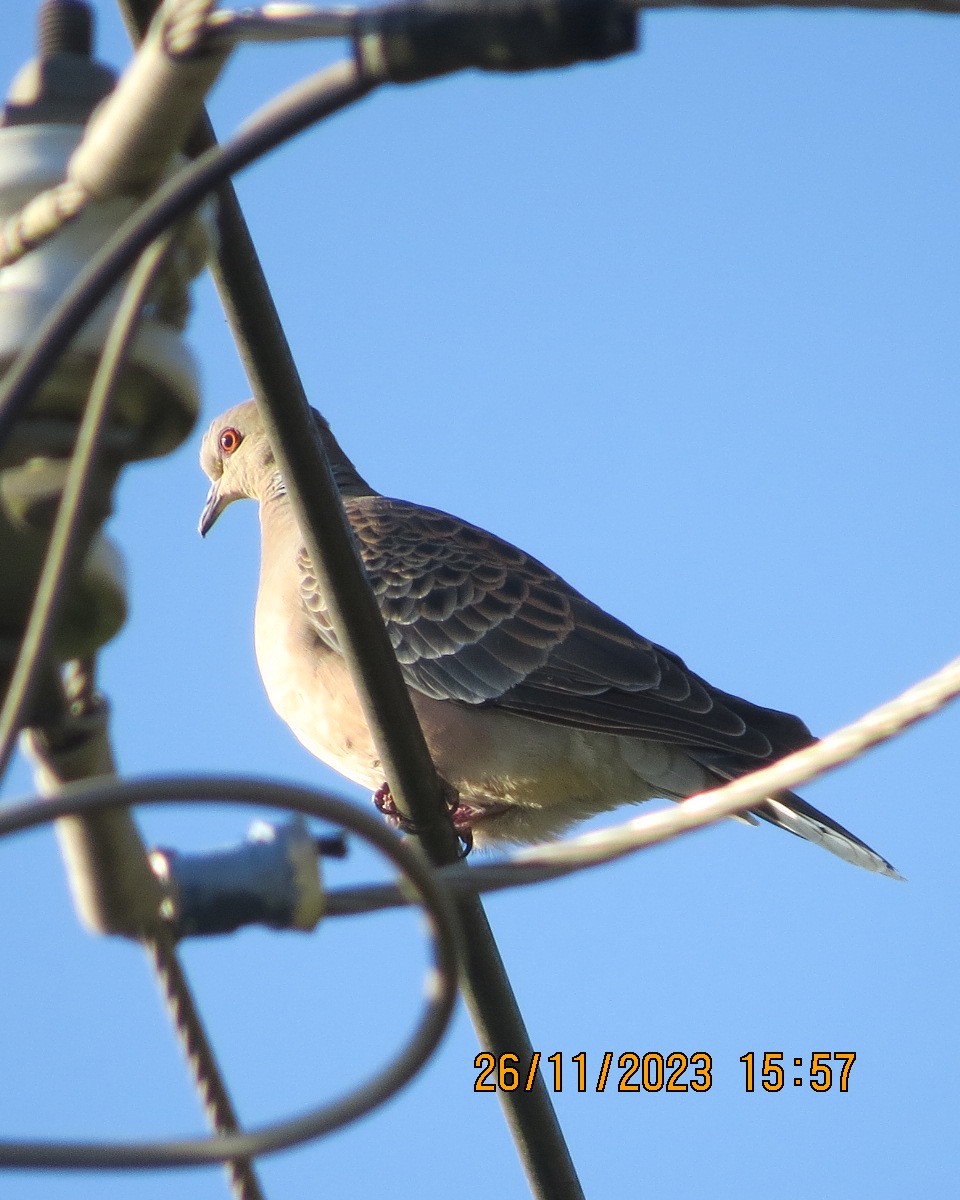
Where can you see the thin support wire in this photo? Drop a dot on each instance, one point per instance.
(556, 859)
(879, 725)
(39, 219)
(197, 1050)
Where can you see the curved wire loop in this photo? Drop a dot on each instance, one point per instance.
(440, 989)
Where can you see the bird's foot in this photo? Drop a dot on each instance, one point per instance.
(461, 815)
(384, 801)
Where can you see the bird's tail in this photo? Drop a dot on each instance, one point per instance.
(789, 811)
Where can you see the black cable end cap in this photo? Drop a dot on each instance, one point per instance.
(412, 41)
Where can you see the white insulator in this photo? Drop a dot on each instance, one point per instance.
(158, 398)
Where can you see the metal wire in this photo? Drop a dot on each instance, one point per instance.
(198, 1052)
(440, 992)
(39, 219)
(65, 538)
(556, 859)
(541, 1147)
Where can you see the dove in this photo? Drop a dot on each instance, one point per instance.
(538, 708)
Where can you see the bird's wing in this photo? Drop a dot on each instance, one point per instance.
(472, 618)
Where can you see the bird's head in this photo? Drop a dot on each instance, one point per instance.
(236, 456)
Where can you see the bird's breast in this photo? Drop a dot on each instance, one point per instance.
(310, 689)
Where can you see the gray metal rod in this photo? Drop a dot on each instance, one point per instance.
(389, 712)
(407, 765)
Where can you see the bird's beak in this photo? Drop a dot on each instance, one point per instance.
(212, 509)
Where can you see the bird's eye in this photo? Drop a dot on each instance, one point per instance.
(229, 440)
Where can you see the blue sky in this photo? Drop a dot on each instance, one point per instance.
(683, 325)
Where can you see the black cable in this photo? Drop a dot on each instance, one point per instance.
(386, 703)
(440, 992)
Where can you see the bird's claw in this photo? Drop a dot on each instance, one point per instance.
(383, 799)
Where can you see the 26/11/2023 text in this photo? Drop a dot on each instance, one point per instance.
(821, 1071)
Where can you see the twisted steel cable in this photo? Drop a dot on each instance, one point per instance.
(198, 1052)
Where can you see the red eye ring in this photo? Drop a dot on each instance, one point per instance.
(229, 440)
